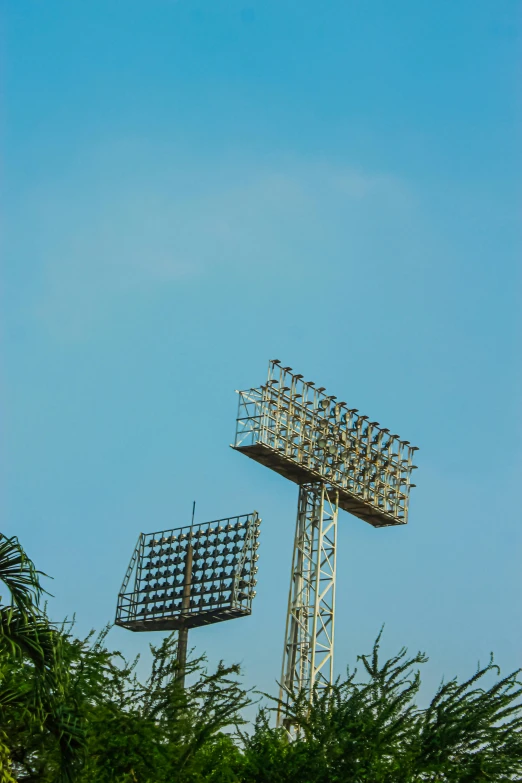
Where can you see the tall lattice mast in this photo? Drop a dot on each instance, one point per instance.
(339, 459)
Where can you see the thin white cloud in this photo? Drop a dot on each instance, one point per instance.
(100, 240)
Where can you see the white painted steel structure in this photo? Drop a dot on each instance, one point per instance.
(309, 635)
(339, 459)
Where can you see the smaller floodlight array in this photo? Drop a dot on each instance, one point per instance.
(191, 576)
(309, 436)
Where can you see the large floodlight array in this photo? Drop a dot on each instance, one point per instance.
(306, 435)
(191, 576)
(339, 459)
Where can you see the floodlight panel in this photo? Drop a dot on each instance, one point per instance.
(308, 436)
(214, 561)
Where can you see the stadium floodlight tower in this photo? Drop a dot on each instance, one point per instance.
(191, 576)
(339, 459)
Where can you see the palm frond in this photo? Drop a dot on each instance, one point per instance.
(30, 636)
(18, 573)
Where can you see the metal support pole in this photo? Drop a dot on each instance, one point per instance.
(182, 655)
(309, 635)
(185, 607)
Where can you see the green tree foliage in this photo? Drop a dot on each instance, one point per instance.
(35, 707)
(101, 723)
(23, 636)
(153, 730)
(22, 630)
(74, 711)
(372, 731)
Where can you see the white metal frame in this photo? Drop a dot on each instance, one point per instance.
(339, 459)
(309, 634)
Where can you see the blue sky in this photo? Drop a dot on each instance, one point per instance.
(192, 188)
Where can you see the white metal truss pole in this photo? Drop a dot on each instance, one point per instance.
(324, 608)
(309, 634)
